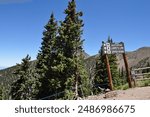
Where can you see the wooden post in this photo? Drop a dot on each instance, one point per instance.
(134, 81)
(127, 70)
(109, 72)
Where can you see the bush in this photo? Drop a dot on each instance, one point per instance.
(143, 83)
(125, 87)
(122, 87)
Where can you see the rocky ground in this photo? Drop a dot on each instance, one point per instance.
(138, 93)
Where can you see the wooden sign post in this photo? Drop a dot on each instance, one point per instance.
(115, 48)
(127, 70)
(109, 72)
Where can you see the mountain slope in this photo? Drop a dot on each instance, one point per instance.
(137, 58)
(141, 55)
(7, 76)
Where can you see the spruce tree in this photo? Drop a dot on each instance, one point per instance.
(4, 95)
(60, 66)
(23, 87)
(1, 92)
(47, 60)
(101, 78)
(74, 76)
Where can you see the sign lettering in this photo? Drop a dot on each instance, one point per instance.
(113, 48)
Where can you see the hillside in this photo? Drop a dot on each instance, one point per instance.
(7, 76)
(137, 58)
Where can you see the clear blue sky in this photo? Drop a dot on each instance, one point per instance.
(22, 22)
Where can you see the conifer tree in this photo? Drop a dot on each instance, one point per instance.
(1, 92)
(47, 60)
(4, 95)
(101, 78)
(23, 87)
(114, 66)
(73, 73)
(4, 92)
(60, 61)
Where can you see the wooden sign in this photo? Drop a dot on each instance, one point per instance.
(113, 48)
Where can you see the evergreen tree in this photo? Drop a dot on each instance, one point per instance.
(47, 60)
(60, 65)
(114, 70)
(23, 87)
(70, 42)
(101, 79)
(1, 92)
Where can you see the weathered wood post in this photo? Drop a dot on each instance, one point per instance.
(109, 72)
(127, 70)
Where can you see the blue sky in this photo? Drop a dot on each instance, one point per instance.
(22, 22)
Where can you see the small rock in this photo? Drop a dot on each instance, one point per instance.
(107, 90)
(110, 94)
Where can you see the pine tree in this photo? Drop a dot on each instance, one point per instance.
(60, 65)
(4, 95)
(101, 79)
(23, 87)
(1, 92)
(114, 70)
(73, 72)
(47, 60)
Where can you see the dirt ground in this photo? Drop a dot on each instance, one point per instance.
(138, 93)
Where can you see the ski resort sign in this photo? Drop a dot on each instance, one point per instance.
(113, 48)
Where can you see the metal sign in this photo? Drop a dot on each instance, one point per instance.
(113, 48)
